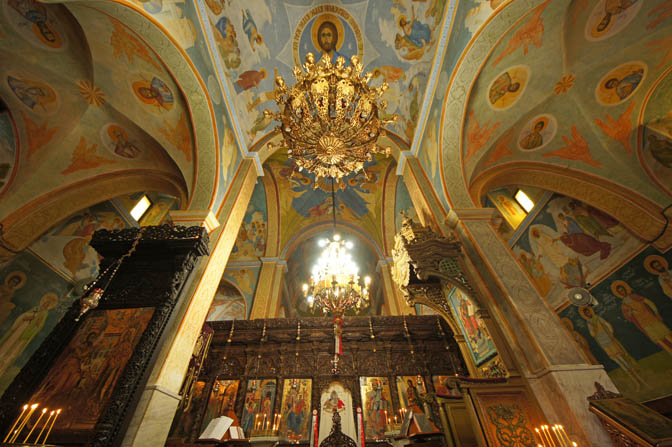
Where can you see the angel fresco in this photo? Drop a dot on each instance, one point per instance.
(415, 37)
(248, 79)
(227, 42)
(250, 29)
(625, 86)
(613, 8)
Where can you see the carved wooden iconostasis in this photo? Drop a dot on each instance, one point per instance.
(285, 366)
(93, 363)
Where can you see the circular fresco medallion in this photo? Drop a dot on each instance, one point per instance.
(327, 29)
(35, 22)
(610, 17)
(537, 133)
(117, 141)
(655, 133)
(620, 83)
(153, 93)
(37, 96)
(507, 88)
(9, 154)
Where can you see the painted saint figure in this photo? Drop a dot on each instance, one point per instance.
(658, 266)
(327, 39)
(580, 340)
(295, 413)
(25, 328)
(36, 13)
(534, 139)
(625, 86)
(661, 150)
(502, 85)
(603, 333)
(155, 92)
(376, 408)
(584, 244)
(643, 313)
(122, 146)
(32, 93)
(13, 282)
(613, 8)
(334, 403)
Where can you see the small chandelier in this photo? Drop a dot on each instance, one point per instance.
(329, 118)
(335, 284)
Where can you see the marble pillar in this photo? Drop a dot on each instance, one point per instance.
(154, 413)
(269, 286)
(554, 368)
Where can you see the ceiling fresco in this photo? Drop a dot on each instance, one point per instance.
(68, 130)
(302, 203)
(549, 93)
(180, 19)
(256, 41)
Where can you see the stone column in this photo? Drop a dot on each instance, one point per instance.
(549, 360)
(154, 413)
(269, 287)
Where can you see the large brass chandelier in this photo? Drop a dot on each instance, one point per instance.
(329, 119)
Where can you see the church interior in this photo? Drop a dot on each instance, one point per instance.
(470, 250)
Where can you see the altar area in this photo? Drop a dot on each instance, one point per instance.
(269, 375)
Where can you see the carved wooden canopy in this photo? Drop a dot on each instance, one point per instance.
(422, 259)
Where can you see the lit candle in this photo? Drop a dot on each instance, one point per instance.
(23, 423)
(11, 430)
(541, 438)
(44, 441)
(545, 429)
(564, 434)
(44, 410)
(44, 426)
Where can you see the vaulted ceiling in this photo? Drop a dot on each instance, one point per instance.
(170, 95)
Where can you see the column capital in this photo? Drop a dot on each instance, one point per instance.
(203, 218)
(456, 215)
(274, 260)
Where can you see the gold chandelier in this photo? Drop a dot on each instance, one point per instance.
(335, 284)
(329, 118)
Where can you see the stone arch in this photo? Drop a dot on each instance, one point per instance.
(641, 216)
(32, 220)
